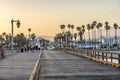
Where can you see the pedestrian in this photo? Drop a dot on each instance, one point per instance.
(32, 47)
(36, 48)
(39, 47)
(21, 49)
(25, 48)
(3, 52)
(28, 48)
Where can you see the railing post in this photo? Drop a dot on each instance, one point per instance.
(106, 56)
(111, 58)
(118, 58)
(92, 53)
(103, 56)
(98, 55)
(95, 55)
(87, 53)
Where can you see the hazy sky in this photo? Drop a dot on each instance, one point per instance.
(45, 16)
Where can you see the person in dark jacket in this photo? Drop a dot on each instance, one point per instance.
(3, 52)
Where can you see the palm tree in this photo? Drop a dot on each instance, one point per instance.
(88, 28)
(59, 37)
(69, 26)
(92, 27)
(67, 38)
(62, 27)
(10, 36)
(83, 34)
(4, 34)
(29, 30)
(79, 29)
(22, 39)
(33, 36)
(115, 27)
(17, 39)
(1, 39)
(98, 27)
(72, 27)
(7, 39)
(93, 34)
(109, 38)
(83, 31)
(107, 27)
(55, 40)
(80, 32)
(75, 36)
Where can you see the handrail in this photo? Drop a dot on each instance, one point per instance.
(34, 74)
(99, 56)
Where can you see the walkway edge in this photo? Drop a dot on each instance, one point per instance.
(36, 68)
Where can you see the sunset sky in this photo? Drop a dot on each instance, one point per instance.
(45, 16)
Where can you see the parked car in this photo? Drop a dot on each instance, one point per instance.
(50, 47)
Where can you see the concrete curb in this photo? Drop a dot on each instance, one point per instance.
(34, 74)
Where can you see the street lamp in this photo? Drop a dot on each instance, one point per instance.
(66, 42)
(18, 26)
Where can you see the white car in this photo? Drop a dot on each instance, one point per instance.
(50, 47)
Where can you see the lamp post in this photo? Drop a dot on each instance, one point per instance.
(18, 26)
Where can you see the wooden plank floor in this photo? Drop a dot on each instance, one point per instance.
(62, 66)
(18, 66)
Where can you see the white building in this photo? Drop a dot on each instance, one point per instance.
(110, 41)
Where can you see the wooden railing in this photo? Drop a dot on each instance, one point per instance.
(105, 57)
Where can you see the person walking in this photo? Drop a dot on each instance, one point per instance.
(3, 52)
(39, 46)
(32, 47)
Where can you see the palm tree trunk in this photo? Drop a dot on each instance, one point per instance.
(69, 29)
(98, 38)
(60, 43)
(106, 39)
(115, 36)
(84, 41)
(89, 39)
(80, 40)
(92, 39)
(109, 40)
(75, 42)
(72, 35)
(89, 35)
(80, 36)
(101, 37)
(72, 31)
(95, 38)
